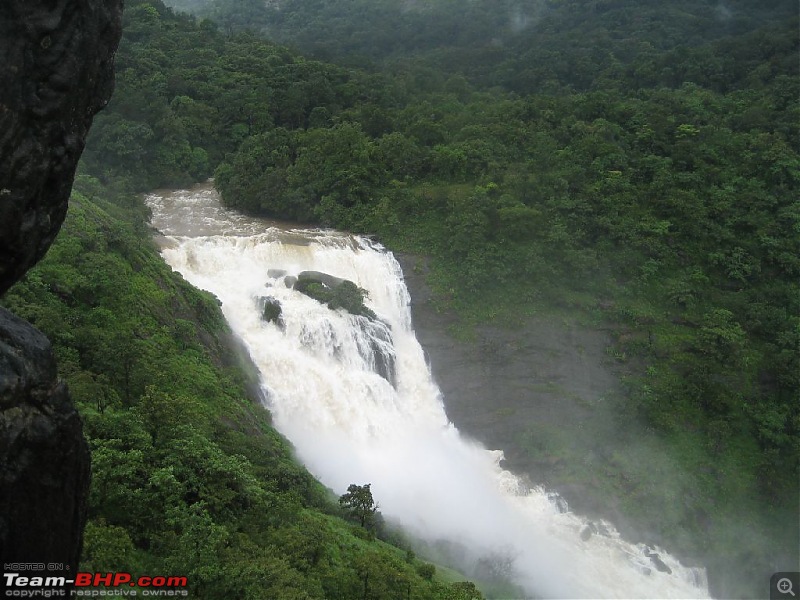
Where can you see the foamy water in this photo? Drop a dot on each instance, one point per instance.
(350, 423)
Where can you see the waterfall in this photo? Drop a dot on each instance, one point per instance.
(356, 398)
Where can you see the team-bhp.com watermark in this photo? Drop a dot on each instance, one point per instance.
(17, 584)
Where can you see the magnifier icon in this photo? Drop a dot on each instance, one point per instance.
(784, 586)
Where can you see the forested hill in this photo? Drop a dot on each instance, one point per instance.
(638, 169)
(522, 45)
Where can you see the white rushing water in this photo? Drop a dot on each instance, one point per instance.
(350, 424)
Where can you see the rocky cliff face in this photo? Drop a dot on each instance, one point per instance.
(56, 72)
(541, 392)
(44, 459)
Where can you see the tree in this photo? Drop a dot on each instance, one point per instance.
(359, 504)
(337, 162)
(462, 590)
(107, 547)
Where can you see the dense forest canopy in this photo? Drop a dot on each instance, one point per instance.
(522, 45)
(632, 163)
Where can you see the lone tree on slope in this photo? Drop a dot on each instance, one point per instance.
(359, 504)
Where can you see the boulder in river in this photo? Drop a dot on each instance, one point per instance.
(318, 277)
(271, 310)
(335, 292)
(588, 531)
(659, 564)
(559, 502)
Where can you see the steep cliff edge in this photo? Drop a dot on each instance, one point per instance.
(550, 394)
(56, 72)
(544, 393)
(44, 459)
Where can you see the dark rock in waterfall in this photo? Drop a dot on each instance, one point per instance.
(594, 528)
(373, 339)
(313, 289)
(44, 458)
(289, 281)
(334, 291)
(56, 73)
(379, 352)
(659, 564)
(318, 277)
(559, 502)
(384, 363)
(271, 310)
(275, 273)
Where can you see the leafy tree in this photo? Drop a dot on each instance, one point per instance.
(359, 504)
(107, 548)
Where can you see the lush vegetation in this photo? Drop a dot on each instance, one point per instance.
(346, 295)
(631, 162)
(188, 476)
(523, 45)
(359, 503)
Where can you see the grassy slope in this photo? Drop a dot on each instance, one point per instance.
(189, 477)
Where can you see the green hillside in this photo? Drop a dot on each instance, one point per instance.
(188, 476)
(650, 187)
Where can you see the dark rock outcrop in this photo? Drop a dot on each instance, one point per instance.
(593, 528)
(334, 291)
(379, 352)
(271, 310)
(56, 72)
(318, 277)
(659, 564)
(44, 458)
(587, 532)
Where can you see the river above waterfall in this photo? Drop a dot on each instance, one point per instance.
(351, 423)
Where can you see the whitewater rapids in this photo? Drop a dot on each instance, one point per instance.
(351, 423)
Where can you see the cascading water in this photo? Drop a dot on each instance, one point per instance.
(356, 398)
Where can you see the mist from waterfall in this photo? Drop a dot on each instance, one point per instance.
(354, 422)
